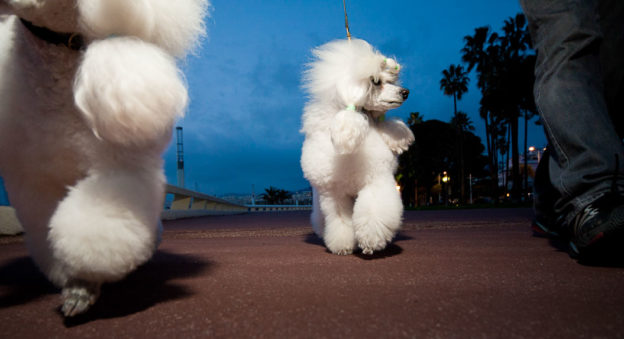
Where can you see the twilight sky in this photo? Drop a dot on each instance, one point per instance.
(242, 125)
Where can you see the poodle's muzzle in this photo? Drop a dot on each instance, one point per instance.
(404, 93)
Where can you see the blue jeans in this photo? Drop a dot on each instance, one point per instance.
(575, 103)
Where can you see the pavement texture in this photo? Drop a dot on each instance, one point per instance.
(448, 274)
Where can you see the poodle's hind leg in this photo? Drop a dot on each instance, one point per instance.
(338, 235)
(104, 228)
(377, 215)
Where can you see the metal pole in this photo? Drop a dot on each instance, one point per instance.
(180, 144)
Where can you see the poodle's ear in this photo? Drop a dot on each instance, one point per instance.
(130, 92)
(174, 25)
(348, 130)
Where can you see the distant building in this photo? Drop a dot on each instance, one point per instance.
(533, 158)
(299, 197)
(302, 197)
(241, 199)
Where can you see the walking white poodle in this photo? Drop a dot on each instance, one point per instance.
(350, 151)
(89, 92)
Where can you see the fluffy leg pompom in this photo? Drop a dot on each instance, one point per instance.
(348, 130)
(105, 227)
(338, 234)
(377, 215)
(130, 92)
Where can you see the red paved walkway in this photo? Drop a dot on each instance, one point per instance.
(474, 273)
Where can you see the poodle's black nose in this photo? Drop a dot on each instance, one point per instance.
(404, 93)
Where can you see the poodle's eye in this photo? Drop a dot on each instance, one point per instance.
(376, 82)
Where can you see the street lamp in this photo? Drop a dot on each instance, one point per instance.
(445, 179)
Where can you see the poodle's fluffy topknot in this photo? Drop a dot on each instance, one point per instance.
(344, 64)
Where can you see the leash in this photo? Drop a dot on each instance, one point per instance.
(344, 6)
(73, 41)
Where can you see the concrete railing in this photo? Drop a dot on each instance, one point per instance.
(187, 203)
(278, 208)
(9, 225)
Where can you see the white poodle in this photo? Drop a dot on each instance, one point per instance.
(350, 151)
(89, 92)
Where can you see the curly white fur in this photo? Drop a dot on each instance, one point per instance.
(125, 99)
(81, 133)
(350, 153)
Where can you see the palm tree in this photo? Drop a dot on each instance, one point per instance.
(414, 119)
(274, 195)
(454, 82)
(462, 122)
(481, 53)
(473, 52)
(500, 63)
(514, 42)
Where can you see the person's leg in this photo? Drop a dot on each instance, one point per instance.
(611, 56)
(569, 96)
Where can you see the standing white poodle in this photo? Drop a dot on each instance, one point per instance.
(89, 91)
(350, 152)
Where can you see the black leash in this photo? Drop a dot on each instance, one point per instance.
(72, 41)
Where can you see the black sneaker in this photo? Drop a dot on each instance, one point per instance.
(542, 228)
(599, 227)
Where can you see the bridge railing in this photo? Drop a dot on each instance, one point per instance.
(278, 208)
(187, 203)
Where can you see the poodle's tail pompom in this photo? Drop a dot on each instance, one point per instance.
(130, 92)
(348, 131)
(175, 25)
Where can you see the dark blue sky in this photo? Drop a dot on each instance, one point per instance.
(242, 125)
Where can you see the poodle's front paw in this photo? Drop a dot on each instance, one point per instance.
(341, 246)
(372, 240)
(369, 247)
(340, 240)
(78, 296)
(348, 131)
(398, 147)
(340, 251)
(397, 136)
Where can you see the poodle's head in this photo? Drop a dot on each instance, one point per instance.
(353, 75)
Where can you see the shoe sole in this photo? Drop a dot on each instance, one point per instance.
(541, 231)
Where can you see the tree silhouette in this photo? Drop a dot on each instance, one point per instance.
(454, 83)
(433, 152)
(415, 118)
(505, 80)
(274, 195)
